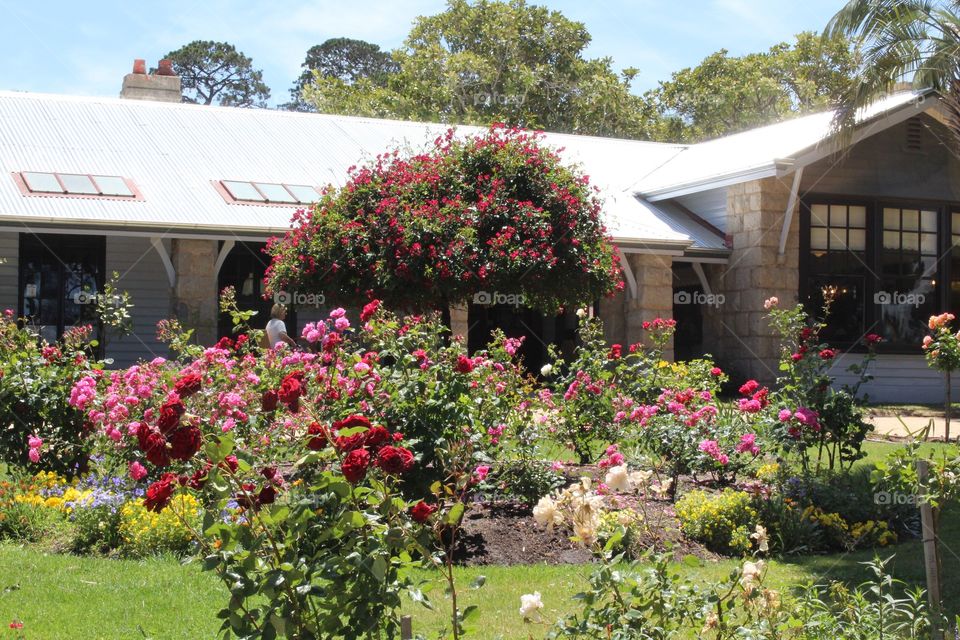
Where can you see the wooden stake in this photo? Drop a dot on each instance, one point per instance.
(931, 556)
(406, 628)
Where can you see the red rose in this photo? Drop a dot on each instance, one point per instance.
(291, 388)
(199, 477)
(369, 309)
(873, 339)
(330, 341)
(354, 466)
(185, 442)
(160, 492)
(375, 437)
(796, 357)
(188, 385)
(267, 495)
(224, 343)
(749, 387)
(355, 420)
(716, 372)
(231, 463)
(349, 443)
(394, 460)
(153, 445)
(464, 364)
(615, 352)
(245, 497)
(422, 511)
(170, 414)
(269, 400)
(827, 354)
(320, 437)
(241, 340)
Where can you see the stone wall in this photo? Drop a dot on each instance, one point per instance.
(195, 292)
(738, 333)
(623, 315)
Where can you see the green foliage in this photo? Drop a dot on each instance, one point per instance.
(97, 530)
(724, 95)
(723, 521)
(144, 533)
(488, 61)
(29, 522)
(216, 73)
(344, 59)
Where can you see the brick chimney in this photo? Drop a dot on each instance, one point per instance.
(162, 86)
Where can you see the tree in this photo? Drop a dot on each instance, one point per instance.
(215, 72)
(725, 94)
(496, 213)
(916, 40)
(492, 61)
(344, 59)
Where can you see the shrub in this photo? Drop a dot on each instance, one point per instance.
(144, 532)
(723, 521)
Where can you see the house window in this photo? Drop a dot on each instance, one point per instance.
(36, 183)
(878, 263)
(243, 269)
(266, 192)
(60, 276)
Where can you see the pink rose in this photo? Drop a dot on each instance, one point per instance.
(137, 471)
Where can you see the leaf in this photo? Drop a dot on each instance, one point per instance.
(478, 582)
(455, 515)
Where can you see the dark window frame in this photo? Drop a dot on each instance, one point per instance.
(873, 253)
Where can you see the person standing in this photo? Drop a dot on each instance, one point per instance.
(276, 328)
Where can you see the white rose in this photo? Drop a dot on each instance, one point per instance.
(581, 313)
(763, 541)
(546, 370)
(530, 604)
(640, 479)
(751, 574)
(617, 478)
(545, 512)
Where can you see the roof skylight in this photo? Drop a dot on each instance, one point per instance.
(78, 184)
(269, 192)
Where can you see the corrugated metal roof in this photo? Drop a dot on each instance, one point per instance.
(173, 152)
(755, 153)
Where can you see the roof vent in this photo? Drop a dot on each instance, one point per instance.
(160, 86)
(914, 136)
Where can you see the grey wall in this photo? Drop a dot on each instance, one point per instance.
(9, 259)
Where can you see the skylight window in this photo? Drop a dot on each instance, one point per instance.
(75, 184)
(268, 192)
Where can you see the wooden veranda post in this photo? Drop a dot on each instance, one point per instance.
(931, 555)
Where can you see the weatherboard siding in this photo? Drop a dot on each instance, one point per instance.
(898, 378)
(142, 275)
(9, 261)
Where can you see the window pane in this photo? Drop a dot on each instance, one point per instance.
(42, 182)
(838, 238)
(242, 191)
(910, 241)
(891, 218)
(78, 184)
(818, 239)
(113, 186)
(928, 221)
(858, 240)
(891, 240)
(309, 195)
(928, 244)
(275, 192)
(858, 217)
(838, 216)
(911, 219)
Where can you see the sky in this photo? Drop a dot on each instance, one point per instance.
(85, 48)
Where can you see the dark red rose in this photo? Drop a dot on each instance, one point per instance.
(246, 498)
(369, 309)
(224, 343)
(827, 354)
(354, 466)
(267, 495)
(375, 437)
(394, 460)
(231, 463)
(464, 364)
(330, 342)
(159, 493)
(199, 477)
(320, 437)
(185, 442)
(153, 445)
(291, 388)
(615, 352)
(170, 414)
(872, 339)
(349, 443)
(269, 400)
(355, 420)
(188, 385)
(422, 511)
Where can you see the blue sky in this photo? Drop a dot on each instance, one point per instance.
(85, 48)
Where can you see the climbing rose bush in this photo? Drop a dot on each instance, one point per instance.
(494, 212)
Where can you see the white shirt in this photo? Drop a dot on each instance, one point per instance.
(274, 328)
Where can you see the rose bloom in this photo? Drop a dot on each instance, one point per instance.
(34, 442)
(617, 478)
(160, 492)
(546, 370)
(827, 354)
(545, 512)
(354, 466)
(395, 460)
(530, 604)
(771, 302)
(422, 511)
(941, 320)
(137, 471)
(749, 387)
(34, 455)
(369, 309)
(716, 371)
(188, 385)
(872, 339)
(927, 341)
(481, 472)
(464, 364)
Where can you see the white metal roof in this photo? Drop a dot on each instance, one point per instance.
(173, 152)
(756, 153)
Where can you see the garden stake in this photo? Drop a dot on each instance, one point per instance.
(930, 554)
(406, 628)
